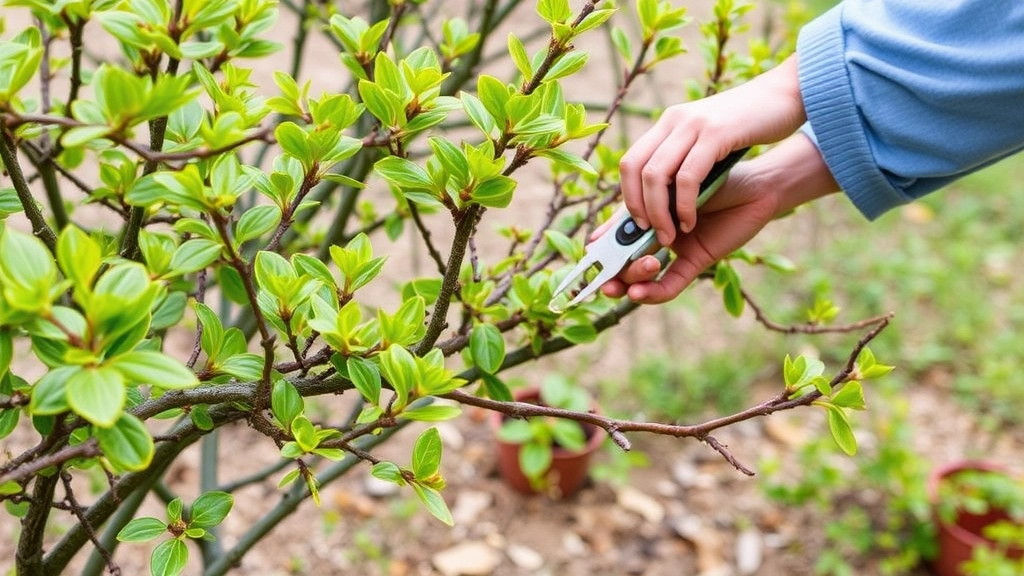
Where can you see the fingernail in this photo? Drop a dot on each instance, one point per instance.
(664, 239)
(642, 223)
(651, 265)
(686, 227)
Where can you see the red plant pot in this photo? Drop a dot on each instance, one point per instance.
(568, 470)
(957, 540)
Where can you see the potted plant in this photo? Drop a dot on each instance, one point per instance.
(979, 511)
(546, 454)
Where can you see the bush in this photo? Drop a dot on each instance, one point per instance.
(171, 198)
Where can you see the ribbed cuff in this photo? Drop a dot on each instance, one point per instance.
(835, 120)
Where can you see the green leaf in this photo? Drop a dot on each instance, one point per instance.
(244, 367)
(477, 113)
(494, 192)
(210, 509)
(169, 558)
(366, 378)
(567, 65)
(426, 454)
(840, 428)
(573, 161)
(566, 247)
(515, 431)
(487, 347)
(519, 56)
(431, 413)
(388, 471)
(403, 173)
(49, 395)
(142, 530)
(496, 389)
(154, 368)
(127, 443)
(579, 333)
(568, 434)
(850, 396)
(79, 256)
(534, 459)
(256, 222)
(304, 433)
(435, 503)
(97, 394)
(286, 403)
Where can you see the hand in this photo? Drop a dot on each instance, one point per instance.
(756, 192)
(689, 138)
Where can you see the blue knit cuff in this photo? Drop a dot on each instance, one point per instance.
(834, 119)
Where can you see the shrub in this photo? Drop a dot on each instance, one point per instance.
(161, 194)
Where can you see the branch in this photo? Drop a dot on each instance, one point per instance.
(21, 473)
(617, 428)
(438, 319)
(76, 510)
(40, 228)
(809, 328)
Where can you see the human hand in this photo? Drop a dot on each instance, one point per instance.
(689, 138)
(756, 192)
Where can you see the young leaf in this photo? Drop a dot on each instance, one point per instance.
(426, 454)
(169, 558)
(840, 428)
(534, 459)
(487, 347)
(210, 509)
(127, 443)
(388, 471)
(154, 368)
(141, 530)
(850, 396)
(97, 394)
(286, 403)
(431, 413)
(435, 503)
(366, 378)
(195, 254)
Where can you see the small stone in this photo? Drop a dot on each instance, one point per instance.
(524, 557)
(495, 540)
(468, 506)
(709, 550)
(398, 568)
(684, 473)
(723, 570)
(783, 431)
(776, 541)
(688, 527)
(378, 488)
(749, 552)
(667, 489)
(351, 502)
(573, 544)
(639, 503)
(467, 559)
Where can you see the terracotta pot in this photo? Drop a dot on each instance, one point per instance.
(958, 540)
(568, 470)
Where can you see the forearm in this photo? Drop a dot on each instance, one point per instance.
(793, 172)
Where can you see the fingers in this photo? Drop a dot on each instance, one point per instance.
(644, 269)
(694, 169)
(631, 171)
(659, 171)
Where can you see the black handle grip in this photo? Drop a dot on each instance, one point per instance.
(717, 171)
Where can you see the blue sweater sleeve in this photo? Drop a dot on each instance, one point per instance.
(905, 96)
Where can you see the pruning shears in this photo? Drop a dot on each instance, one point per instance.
(627, 241)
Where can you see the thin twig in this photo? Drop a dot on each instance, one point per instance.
(76, 510)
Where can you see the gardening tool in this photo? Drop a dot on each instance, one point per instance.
(626, 241)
